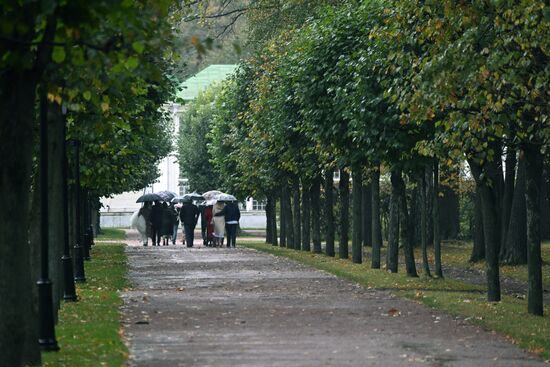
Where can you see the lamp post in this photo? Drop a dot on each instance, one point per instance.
(69, 292)
(46, 338)
(79, 275)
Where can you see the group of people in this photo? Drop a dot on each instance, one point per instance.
(160, 222)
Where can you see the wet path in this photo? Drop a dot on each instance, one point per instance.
(239, 307)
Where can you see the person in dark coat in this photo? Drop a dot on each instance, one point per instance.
(232, 215)
(167, 223)
(156, 222)
(189, 215)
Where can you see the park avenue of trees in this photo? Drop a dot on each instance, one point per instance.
(398, 96)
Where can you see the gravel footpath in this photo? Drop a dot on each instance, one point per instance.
(239, 307)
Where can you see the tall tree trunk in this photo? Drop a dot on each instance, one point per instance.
(366, 210)
(533, 169)
(289, 220)
(315, 214)
(274, 222)
(448, 206)
(297, 217)
(478, 250)
(329, 212)
(416, 214)
(268, 231)
(55, 213)
(376, 228)
(507, 198)
(491, 230)
(18, 315)
(356, 244)
(423, 222)
(436, 220)
(306, 217)
(431, 200)
(392, 256)
(405, 227)
(514, 251)
(282, 216)
(343, 187)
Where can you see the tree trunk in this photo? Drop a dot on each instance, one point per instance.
(55, 198)
(436, 220)
(449, 208)
(18, 314)
(478, 250)
(533, 169)
(329, 212)
(283, 218)
(289, 220)
(306, 217)
(392, 256)
(268, 231)
(297, 217)
(423, 220)
(343, 187)
(356, 244)
(274, 221)
(514, 251)
(315, 213)
(405, 228)
(507, 198)
(431, 200)
(366, 210)
(491, 230)
(376, 228)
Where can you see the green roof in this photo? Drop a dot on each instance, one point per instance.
(191, 88)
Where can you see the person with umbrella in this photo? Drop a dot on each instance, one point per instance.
(232, 215)
(189, 214)
(156, 221)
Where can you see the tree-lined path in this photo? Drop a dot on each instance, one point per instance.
(239, 307)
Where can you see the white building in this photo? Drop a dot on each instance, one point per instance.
(117, 211)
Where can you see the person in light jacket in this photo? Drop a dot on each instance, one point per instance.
(232, 215)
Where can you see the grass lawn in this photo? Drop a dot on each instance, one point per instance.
(457, 254)
(111, 234)
(88, 331)
(508, 317)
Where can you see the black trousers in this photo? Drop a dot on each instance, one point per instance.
(231, 230)
(156, 235)
(189, 234)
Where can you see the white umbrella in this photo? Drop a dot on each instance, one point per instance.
(225, 197)
(210, 194)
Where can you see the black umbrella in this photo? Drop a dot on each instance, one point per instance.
(166, 195)
(148, 197)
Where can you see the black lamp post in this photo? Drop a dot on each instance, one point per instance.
(69, 292)
(79, 275)
(46, 338)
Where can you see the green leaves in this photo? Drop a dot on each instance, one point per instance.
(58, 54)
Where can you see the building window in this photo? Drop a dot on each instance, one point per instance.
(258, 205)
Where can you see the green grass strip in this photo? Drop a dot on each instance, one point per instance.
(88, 331)
(111, 234)
(508, 317)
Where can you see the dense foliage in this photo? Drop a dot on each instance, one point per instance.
(411, 86)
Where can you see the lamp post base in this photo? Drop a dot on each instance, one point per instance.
(46, 338)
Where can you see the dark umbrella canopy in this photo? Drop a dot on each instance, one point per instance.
(148, 197)
(166, 195)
